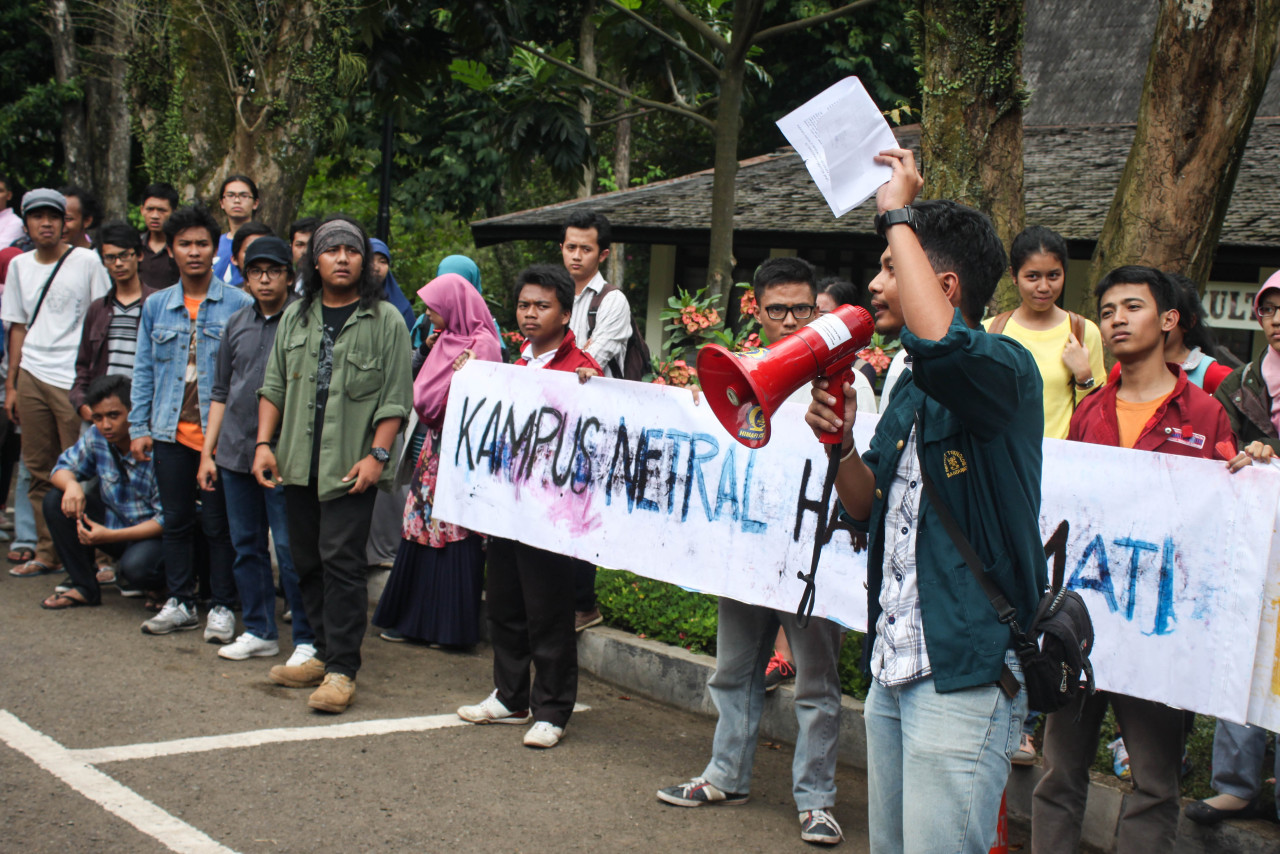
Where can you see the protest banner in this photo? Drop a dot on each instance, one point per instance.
(1170, 553)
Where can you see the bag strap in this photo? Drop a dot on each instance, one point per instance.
(998, 322)
(594, 308)
(45, 290)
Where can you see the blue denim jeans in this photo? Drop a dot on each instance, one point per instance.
(251, 511)
(744, 643)
(24, 516)
(176, 467)
(937, 764)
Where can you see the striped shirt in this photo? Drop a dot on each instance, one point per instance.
(122, 337)
(899, 654)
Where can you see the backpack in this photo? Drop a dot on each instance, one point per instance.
(1077, 329)
(634, 362)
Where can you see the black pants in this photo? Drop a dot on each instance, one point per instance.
(176, 467)
(584, 584)
(328, 539)
(139, 564)
(530, 594)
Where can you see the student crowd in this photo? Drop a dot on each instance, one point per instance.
(190, 397)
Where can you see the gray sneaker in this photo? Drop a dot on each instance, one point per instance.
(173, 617)
(220, 625)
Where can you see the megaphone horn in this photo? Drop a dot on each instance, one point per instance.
(745, 389)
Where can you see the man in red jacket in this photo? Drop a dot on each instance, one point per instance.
(1152, 408)
(530, 592)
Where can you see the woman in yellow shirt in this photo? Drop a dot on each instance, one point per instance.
(1067, 347)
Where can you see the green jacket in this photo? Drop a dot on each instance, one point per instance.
(1243, 394)
(982, 420)
(371, 381)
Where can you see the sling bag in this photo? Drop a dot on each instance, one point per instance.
(39, 302)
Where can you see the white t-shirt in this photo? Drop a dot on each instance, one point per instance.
(49, 350)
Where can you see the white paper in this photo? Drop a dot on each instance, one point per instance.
(839, 133)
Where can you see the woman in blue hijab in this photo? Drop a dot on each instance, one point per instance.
(382, 267)
(467, 269)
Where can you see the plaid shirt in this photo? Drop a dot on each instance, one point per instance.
(128, 488)
(899, 654)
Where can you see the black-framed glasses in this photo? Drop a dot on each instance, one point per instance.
(1266, 311)
(264, 272)
(799, 312)
(237, 197)
(117, 256)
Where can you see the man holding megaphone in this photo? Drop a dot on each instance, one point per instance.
(963, 431)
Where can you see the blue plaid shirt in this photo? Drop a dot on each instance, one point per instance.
(128, 488)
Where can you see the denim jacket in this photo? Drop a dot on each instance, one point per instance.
(159, 372)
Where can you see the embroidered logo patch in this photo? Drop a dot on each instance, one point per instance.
(953, 462)
(1195, 440)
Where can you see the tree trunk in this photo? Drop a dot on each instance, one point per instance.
(971, 116)
(587, 52)
(1208, 67)
(66, 66)
(114, 133)
(617, 270)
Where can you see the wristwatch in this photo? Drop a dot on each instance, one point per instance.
(380, 454)
(894, 217)
(1086, 385)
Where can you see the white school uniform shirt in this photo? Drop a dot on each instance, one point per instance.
(613, 324)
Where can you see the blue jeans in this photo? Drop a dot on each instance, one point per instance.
(744, 643)
(24, 516)
(175, 467)
(251, 510)
(1238, 751)
(937, 764)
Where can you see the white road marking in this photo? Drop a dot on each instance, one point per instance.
(114, 797)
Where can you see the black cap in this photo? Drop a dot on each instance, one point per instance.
(270, 248)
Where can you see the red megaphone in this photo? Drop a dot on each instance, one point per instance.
(745, 389)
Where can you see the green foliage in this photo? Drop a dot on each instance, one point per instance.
(30, 100)
(695, 320)
(671, 614)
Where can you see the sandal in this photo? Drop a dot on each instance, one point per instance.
(32, 568)
(21, 554)
(106, 575)
(62, 601)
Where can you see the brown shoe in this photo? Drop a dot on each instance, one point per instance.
(334, 694)
(308, 674)
(586, 619)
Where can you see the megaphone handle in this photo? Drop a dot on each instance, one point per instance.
(835, 385)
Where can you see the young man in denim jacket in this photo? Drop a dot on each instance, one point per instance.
(178, 341)
(941, 721)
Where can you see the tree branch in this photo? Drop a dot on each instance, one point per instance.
(610, 120)
(803, 23)
(682, 12)
(663, 34)
(622, 93)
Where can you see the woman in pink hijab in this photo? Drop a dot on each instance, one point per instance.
(433, 593)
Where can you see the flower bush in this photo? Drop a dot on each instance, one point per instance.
(693, 320)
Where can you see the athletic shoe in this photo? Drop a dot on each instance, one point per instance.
(586, 619)
(248, 645)
(308, 674)
(820, 826)
(175, 616)
(491, 711)
(391, 636)
(543, 734)
(287, 616)
(129, 592)
(302, 653)
(1026, 752)
(334, 694)
(778, 671)
(1119, 759)
(220, 626)
(698, 792)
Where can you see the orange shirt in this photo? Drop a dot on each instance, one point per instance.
(1132, 417)
(190, 432)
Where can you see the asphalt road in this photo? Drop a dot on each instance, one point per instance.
(88, 678)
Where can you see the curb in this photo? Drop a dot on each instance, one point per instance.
(677, 677)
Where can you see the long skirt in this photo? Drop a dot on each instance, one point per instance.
(433, 594)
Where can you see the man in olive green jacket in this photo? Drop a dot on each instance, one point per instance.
(338, 387)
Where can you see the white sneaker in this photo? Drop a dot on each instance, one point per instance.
(543, 734)
(303, 652)
(491, 711)
(173, 617)
(248, 645)
(220, 625)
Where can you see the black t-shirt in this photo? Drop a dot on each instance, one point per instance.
(334, 320)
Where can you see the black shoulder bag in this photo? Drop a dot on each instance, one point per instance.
(1054, 651)
(39, 302)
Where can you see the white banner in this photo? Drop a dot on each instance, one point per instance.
(1171, 553)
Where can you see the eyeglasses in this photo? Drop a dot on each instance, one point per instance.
(1266, 311)
(264, 272)
(118, 256)
(237, 197)
(799, 312)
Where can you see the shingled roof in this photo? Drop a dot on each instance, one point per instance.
(1085, 61)
(1071, 177)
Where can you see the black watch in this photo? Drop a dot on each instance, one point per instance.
(382, 455)
(894, 217)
